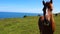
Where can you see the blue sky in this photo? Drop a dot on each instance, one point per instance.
(26, 6)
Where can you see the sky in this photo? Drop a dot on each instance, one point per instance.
(26, 6)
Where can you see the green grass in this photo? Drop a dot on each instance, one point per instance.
(28, 25)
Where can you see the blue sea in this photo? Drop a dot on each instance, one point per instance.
(16, 15)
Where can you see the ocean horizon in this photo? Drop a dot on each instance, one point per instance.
(17, 15)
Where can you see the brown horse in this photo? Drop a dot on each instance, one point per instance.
(46, 23)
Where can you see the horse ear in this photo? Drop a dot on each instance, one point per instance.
(51, 1)
(43, 2)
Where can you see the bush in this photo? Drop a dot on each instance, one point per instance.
(24, 16)
(56, 14)
(39, 15)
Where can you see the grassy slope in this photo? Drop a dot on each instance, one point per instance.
(28, 25)
(57, 21)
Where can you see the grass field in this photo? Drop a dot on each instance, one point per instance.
(28, 25)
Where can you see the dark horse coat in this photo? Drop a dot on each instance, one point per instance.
(46, 27)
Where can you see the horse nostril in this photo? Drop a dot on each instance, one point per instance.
(46, 22)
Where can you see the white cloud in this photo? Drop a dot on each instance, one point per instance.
(27, 10)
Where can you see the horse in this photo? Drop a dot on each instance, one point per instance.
(46, 23)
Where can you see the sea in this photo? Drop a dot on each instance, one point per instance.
(17, 15)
